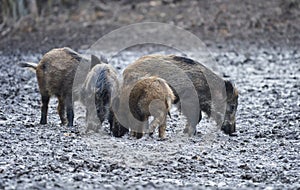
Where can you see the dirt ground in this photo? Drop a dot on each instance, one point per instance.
(255, 44)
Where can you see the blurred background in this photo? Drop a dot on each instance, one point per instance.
(37, 26)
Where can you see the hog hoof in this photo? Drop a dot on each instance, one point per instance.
(97, 130)
(190, 131)
(162, 139)
(186, 130)
(151, 134)
(75, 130)
(138, 135)
(43, 122)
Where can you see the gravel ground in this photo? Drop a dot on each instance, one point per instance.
(264, 154)
(255, 44)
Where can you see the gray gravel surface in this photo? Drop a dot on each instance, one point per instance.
(264, 154)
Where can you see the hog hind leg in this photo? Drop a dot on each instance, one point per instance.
(159, 119)
(70, 111)
(91, 119)
(191, 129)
(61, 109)
(44, 109)
(116, 129)
(162, 129)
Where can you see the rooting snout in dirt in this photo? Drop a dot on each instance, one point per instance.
(100, 86)
(217, 98)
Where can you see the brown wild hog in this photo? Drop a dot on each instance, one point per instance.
(207, 84)
(55, 74)
(151, 96)
(99, 88)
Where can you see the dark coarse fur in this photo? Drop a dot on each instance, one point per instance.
(184, 60)
(55, 74)
(199, 75)
(151, 96)
(99, 88)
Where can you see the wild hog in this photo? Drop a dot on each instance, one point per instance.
(151, 96)
(207, 84)
(55, 74)
(99, 88)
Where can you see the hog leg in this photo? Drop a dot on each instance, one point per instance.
(159, 119)
(111, 122)
(116, 129)
(162, 129)
(61, 110)
(101, 116)
(189, 129)
(70, 111)
(137, 131)
(88, 121)
(146, 127)
(91, 119)
(138, 135)
(44, 109)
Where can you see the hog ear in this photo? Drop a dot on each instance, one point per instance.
(103, 59)
(94, 61)
(229, 87)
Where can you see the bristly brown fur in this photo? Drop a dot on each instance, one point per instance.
(151, 96)
(55, 74)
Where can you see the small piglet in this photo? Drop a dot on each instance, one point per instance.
(151, 96)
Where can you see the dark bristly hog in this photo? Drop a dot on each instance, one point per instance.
(100, 86)
(55, 75)
(217, 98)
(151, 96)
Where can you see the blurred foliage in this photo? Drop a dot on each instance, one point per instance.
(13, 10)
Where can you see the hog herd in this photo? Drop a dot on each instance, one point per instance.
(145, 92)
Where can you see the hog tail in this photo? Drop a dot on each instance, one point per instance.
(169, 102)
(29, 65)
(169, 114)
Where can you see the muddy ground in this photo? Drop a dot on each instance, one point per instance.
(262, 59)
